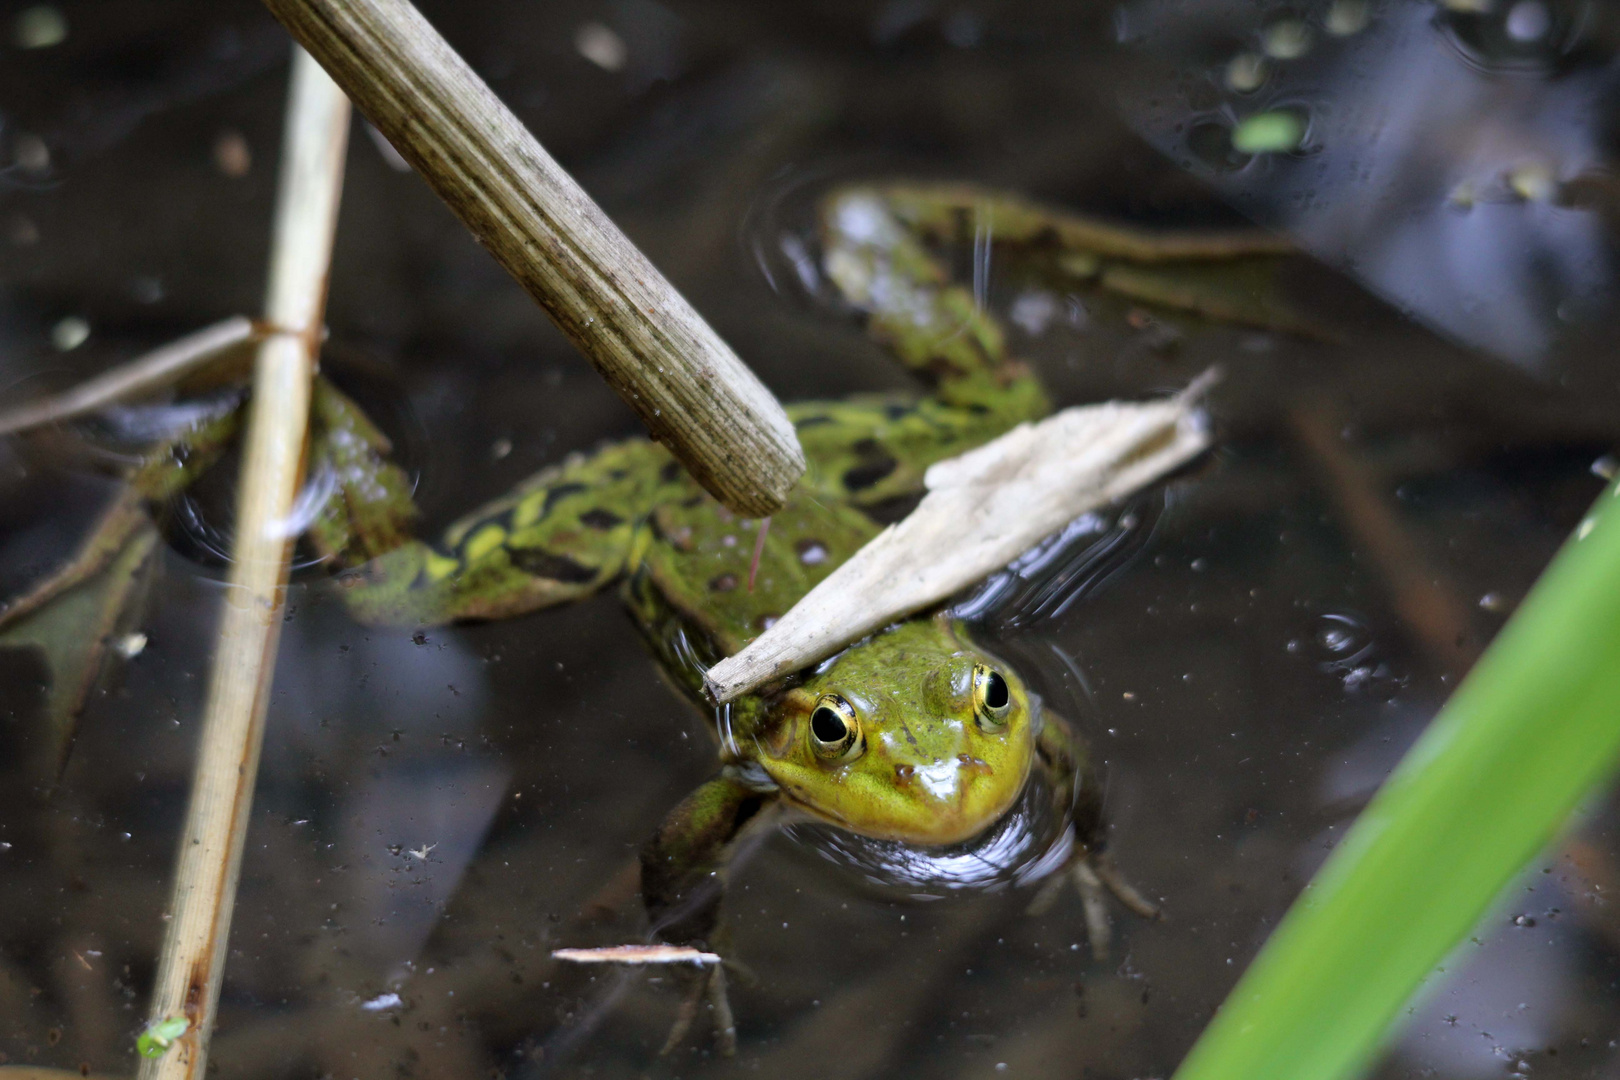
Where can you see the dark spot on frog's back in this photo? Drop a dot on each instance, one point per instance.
(898, 412)
(545, 564)
(875, 464)
(670, 473)
(862, 477)
(557, 494)
(601, 519)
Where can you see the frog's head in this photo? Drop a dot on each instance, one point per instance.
(914, 735)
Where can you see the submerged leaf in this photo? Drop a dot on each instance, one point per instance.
(73, 628)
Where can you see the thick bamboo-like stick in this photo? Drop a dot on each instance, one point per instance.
(194, 947)
(163, 366)
(657, 353)
(983, 509)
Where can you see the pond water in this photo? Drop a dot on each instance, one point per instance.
(1249, 651)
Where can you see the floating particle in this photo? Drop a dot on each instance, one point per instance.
(39, 27)
(232, 155)
(31, 154)
(1286, 39)
(1346, 17)
(70, 333)
(1246, 72)
(601, 46)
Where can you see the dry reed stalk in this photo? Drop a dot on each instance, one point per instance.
(194, 947)
(688, 387)
(983, 509)
(161, 367)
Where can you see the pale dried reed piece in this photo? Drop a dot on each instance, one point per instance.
(983, 509)
(232, 730)
(162, 367)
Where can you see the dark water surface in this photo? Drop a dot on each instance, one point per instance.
(1248, 667)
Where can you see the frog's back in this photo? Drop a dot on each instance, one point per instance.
(692, 577)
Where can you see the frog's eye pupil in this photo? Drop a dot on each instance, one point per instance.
(992, 698)
(827, 725)
(996, 694)
(835, 730)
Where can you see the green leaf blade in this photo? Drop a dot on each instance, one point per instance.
(1527, 736)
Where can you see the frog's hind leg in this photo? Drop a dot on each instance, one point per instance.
(683, 876)
(1077, 797)
(561, 536)
(1233, 276)
(872, 449)
(939, 329)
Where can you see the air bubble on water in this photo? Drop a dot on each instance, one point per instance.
(1246, 72)
(1606, 467)
(1347, 17)
(1286, 39)
(1528, 21)
(1532, 182)
(1493, 601)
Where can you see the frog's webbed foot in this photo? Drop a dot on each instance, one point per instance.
(707, 985)
(1095, 876)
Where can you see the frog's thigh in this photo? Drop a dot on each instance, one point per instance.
(559, 537)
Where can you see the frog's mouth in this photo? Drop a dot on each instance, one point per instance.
(948, 806)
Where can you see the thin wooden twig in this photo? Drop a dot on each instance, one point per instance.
(982, 510)
(1434, 615)
(159, 368)
(194, 947)
(657, 353)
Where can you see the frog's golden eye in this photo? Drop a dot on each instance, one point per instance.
(992, 699)
(835, 730)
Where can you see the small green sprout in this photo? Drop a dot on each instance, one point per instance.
(160, 1035)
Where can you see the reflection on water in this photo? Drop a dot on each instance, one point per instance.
(1440, 147)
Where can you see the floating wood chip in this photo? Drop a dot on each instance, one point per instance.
(982, 510)
(637, 954)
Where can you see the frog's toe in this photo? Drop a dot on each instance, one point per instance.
(1127, 894)
(709, 986)
(1094, 876)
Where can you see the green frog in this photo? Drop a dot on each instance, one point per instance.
(916, 735)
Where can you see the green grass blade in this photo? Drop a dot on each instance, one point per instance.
(1531, 731)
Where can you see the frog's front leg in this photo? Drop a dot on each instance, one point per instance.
(683, 878)
(1078, 798)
